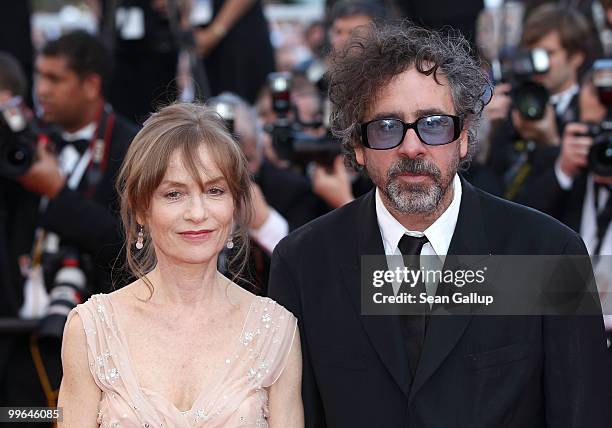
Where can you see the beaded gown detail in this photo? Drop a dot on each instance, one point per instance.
(237, 398)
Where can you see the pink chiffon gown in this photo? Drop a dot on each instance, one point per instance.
(238, 398)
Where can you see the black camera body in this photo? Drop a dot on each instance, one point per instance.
(517, 67)
(290, 138)
(18, 140)
(600, 154)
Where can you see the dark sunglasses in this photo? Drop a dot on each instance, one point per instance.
(433, 130)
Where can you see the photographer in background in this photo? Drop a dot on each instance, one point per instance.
(67, 237)
(577, 195)
(522, 147)
(344, 19)
(282, 198)
(579, 185)
(13, 87)
(145, 54)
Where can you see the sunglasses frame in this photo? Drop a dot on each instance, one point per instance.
(457, 123)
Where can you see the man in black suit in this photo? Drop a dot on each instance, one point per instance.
(406, 103)
(64, 205)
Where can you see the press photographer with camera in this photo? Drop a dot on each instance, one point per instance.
(67, 238)
(282, 199)
(544, 90)
(300, 140)
(579, 182)
(267, 226)
(579, 185)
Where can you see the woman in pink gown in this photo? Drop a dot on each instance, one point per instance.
(182, 346)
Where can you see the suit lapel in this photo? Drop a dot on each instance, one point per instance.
(383, 331)
(444, 331)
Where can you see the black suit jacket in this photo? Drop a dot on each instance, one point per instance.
(475, 371)
(564, 205)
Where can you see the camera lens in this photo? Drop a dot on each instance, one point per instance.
(600, 155)
(530, 99)
(17, 156)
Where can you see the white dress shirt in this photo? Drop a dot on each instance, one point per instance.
(562, 100)
(271, 231)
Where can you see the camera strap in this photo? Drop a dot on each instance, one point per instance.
(100, 149)
(519, 170)
(603, 216)
(93, 162)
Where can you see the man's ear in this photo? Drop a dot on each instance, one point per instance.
(360, 155)
(577, 59)
(463, 143)
(92, 86)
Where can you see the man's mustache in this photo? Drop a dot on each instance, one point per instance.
(414, 166)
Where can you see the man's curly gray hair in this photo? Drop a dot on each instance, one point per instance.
(370, 61)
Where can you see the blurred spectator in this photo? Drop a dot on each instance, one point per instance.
(13, 84)
(145, 53)
(236, 48)
(314, 34)
(571, 187)
(571, 192)
(15, 35)
(520, 148)
(444, 15)
(65, 220)
(283, 199)
(267, 226)
(345, 18)
(348, 17)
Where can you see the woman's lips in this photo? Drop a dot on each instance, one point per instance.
(195, 234)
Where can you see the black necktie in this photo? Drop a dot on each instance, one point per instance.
(414, 325)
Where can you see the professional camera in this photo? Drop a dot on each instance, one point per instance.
(600, 155)
(69, 289)
(226, 110)
(290, 137)
(18, 139)
(517, 67)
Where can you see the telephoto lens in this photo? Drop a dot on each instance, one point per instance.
(69, 290)
(17, 141)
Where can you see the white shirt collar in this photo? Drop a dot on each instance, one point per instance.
(85, 133)
(439, 233)
(562, 100)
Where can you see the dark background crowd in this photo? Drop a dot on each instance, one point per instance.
(73, 99)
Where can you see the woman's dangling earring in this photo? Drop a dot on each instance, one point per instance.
(140, 239)
(230, 243)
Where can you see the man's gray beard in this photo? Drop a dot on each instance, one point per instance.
(413, 199)
(417, 198)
